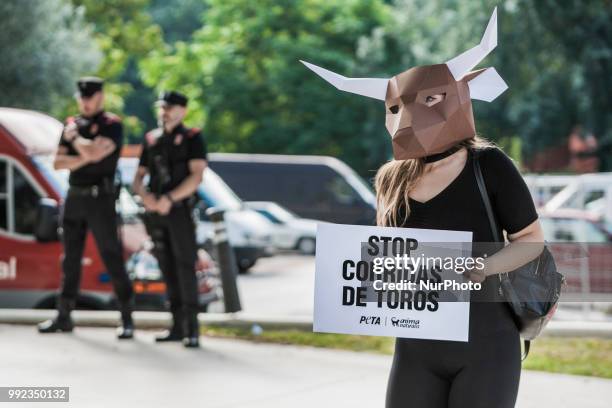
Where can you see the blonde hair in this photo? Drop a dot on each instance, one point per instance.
(395, 180)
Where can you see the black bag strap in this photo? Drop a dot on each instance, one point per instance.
(493, 224)
(485, 197)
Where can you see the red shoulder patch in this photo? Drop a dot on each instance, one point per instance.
(110, 117)
(193, 131)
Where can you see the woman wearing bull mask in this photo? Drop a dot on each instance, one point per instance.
(432, 184)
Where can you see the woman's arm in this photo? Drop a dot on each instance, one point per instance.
(515, 212)
(525, 245)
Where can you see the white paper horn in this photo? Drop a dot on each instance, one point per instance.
(463, 63)
(371, 87)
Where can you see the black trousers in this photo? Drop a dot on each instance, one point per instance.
(82, 213)
(175, 247)
(481, 373)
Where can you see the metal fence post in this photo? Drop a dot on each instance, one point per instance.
(226, 260)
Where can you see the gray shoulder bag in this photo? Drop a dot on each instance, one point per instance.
(532, 291)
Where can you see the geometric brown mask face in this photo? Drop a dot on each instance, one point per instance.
(428, 109)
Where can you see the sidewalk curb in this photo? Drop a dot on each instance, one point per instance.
(241, 320)
(158, 320)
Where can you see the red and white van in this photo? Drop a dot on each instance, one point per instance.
(31, 194)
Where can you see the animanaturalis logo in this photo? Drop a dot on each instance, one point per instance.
(407, 323)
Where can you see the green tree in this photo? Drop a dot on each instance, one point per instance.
(583, 31)
(250, 92)
(45, 45)
(555, 59)
(178, 19)
(125, 33)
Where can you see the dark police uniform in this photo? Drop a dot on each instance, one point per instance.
(166, 157)
(90, 205)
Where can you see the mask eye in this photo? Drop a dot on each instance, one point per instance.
(394, 109)
(431, 100)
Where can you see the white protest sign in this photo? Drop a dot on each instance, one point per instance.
(348, 295)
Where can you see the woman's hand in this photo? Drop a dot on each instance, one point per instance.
(476, 275)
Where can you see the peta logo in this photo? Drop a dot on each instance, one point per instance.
(371, 320)
(8, 270)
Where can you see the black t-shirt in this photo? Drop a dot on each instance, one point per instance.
(102, 124)
(460, 207)
(167, 156)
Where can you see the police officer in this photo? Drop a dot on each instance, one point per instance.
(174, 156)
(89, 147)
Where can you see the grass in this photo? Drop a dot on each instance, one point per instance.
(374, 344)
(579, 356)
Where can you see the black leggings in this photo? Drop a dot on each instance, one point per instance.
(481, 373)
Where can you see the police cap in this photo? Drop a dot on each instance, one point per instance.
(89, 85)
(172, 98)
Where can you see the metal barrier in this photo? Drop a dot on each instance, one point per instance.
(226, 261)
(587, 268)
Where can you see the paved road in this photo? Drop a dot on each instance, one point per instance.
(284, 285)
(280, 285)
(103, 372)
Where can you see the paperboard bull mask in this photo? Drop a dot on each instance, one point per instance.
(428, 108)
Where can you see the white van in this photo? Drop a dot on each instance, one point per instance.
(249, 233)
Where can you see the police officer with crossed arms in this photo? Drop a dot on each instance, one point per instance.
(89, 147)
(174, 156)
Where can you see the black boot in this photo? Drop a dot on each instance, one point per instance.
(126, 330)
(192, 330)
(176, 331)
(62, 322)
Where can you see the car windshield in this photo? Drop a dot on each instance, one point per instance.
(213, 190)
(363, 188)
(57, 178)
(278, 212)
(216, 193)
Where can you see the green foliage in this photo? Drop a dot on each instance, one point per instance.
(250, 92)
(124, 31)
(555, 59)
(238, 61)
(178, 19)
(583, 31)
(44, 45)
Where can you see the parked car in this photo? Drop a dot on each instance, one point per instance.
(290, 231)
(544, 186)
(581, 243)
(315, 187)
(31, 194)
(586, 191)
(249, 233)
(144, 268)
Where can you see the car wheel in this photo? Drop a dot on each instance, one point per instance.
(306, 245)
(244, 265)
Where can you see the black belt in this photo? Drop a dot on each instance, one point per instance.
(92, 191)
